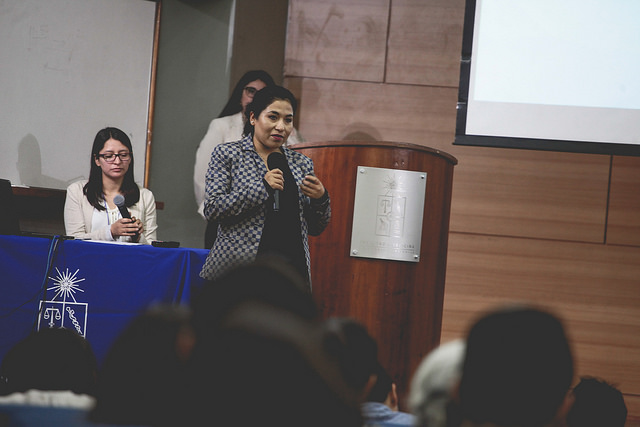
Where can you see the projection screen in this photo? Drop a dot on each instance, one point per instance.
(552, 75)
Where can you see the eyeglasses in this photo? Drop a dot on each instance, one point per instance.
(250, 90)
(124, 156)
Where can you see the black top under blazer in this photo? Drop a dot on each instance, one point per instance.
(236, 197)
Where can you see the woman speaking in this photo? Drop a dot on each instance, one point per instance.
(228, 127)
(265, 196)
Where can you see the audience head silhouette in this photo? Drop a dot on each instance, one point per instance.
(382, 387)
(381, 405)
(141, 380)
(596, 403)
(50, 359)
(348, 342)
(433, 385)
(269, 279)
(517, 369)
(258, 358)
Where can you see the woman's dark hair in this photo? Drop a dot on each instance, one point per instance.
(517, 368)
(269, 279)
(262, 99)
(93, 188)
(597, 403)
(140, 381)
(383, 386)
(234, 105)
(348, 342)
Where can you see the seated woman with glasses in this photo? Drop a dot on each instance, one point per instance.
(228, 127)
(90, 212)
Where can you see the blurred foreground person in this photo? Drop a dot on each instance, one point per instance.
(517, 370)
(48, 379)
(596, 403)
(142, 380)
(434, 384)
(381, 404)
(258, 357)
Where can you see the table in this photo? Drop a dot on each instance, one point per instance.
(96, 288)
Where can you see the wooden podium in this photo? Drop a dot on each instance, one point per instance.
(400, 302)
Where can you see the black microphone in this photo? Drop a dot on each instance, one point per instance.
(276, 160)
(118, 200)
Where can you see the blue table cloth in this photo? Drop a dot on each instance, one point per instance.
(95, 288)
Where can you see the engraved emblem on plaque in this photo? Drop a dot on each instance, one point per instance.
(387, 214)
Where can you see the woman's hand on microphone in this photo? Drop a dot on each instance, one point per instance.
(275, 179)
(140, 228)
(311, 186)
(126, 227)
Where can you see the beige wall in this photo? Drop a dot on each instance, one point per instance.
(561, 230)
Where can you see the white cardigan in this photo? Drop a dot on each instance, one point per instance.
(78, 215)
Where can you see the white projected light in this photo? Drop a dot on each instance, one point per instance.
(551, 74)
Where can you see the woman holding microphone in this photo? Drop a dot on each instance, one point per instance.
(265, 196)
(91, 208)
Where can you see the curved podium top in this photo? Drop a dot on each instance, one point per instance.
(379, 144)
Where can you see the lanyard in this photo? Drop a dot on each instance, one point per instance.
(106, 207)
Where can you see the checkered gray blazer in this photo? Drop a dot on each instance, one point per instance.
(235, 196)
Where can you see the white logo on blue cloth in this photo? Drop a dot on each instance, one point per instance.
(63, 310)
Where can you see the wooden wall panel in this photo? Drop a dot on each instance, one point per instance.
(623, 226)
(527, 193)
(334, 110)
(425, 40)
(505, 192)
(593, 288)
(525, 225)
(341, 39)
(246, 53)
(633, 410)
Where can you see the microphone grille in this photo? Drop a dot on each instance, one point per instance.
(276, 160)
(118, 200)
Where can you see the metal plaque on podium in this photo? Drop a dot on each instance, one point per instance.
(387, 214)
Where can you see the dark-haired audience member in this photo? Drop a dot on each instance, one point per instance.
(517, 370)
(434, 383)
(269, 278)
(48, 378)
(50, 359)
(141, 381)
(349, 344)
(262, 207)
(228, 127)
(381, 404)
(258, 357)
(596, 403)
(89, 209)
